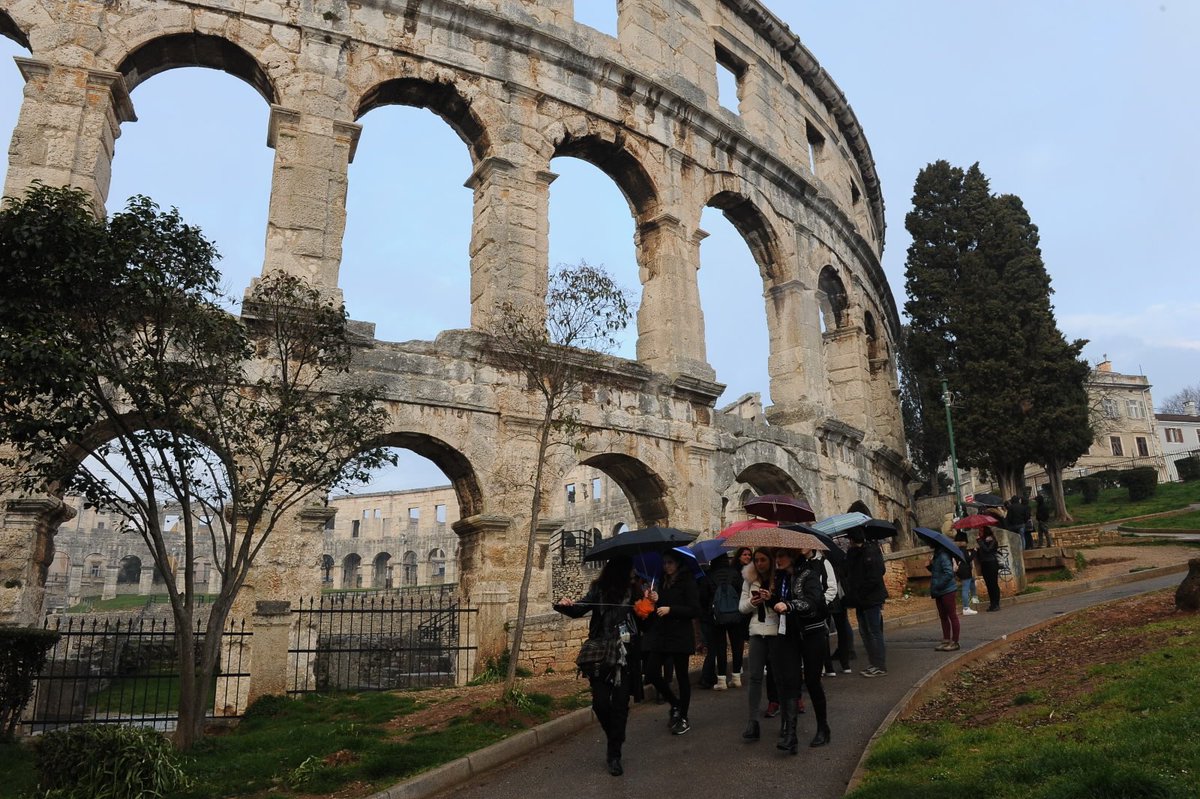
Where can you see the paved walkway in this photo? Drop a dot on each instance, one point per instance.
(712, 760)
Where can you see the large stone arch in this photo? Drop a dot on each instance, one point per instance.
(195, 49)
(755, 229)
(453, 464)
(644, 489)
(767, 478)
(11, 30)
(439, 96)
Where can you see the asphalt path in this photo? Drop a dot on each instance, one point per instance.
(712, 760)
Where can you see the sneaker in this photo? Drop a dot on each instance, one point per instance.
(830, 673)
(772, 710)
(970, 612)
(735, 680)
(873, 671)
(953, 646)
(847, 671)
(974, 600)
(681, 726)
(720, 684)
(942, 647)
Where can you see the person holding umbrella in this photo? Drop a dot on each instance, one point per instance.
(669, 637)
(798, 596)
(943, 587)
(610, 600)
(989, 563)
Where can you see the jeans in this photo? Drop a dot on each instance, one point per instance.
(756, 664)
(870, 629)
(968, 591)
(1044, 538)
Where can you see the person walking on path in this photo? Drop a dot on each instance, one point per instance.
(966, 574)
(989, 563)
(764, 625)
(1042, 513)
(865, 592)
(943, 587)
(721, 622)
(610, 600)
(799, 599)
(669, 637)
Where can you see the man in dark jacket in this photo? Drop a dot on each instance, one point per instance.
(1043, 521)
(866, 593)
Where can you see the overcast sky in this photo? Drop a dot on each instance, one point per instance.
(1087, 109)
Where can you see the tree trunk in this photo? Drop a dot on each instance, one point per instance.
(535, 507)
(191, 712)
(1054, 474)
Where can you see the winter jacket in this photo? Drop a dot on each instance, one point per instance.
(832, 589)
(805, 597)
(763, 620)
(673, 633)
(989, 552)
(864, 572)
(942, 567)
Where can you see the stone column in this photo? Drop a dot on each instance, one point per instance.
(795, 365)
(307, 214)
(670, 322)
(288, 567)
(849, 377)
(509, 237)
(67, 129)
(146, 579)
(483, 553)
(491, 628)
(26, 551)
(269, 674)
(110, 582)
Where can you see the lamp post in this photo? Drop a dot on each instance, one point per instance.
(947, 399)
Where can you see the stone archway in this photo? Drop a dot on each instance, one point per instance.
(10, 29)
(767, 478)
(644, 489)
(443, 99)
(178, 50)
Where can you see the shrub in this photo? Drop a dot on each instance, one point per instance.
(23, 653)
(1142, 482)
(1109, 478)
(1188, 468)
(1091, 489)
(107, 761)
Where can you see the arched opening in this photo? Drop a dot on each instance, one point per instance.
(9, 29)
(13, 43)
(591, 219)
(619, 528)
(832, 299)
(381, 571)
(872, 334)
(199, 145)
(738, 262)
(327, 570)
(408, 214)
(129, 572)
(409, 569)
(352, 571)
(767, 478)
(437, 566)
(858, 506)
(643, 490)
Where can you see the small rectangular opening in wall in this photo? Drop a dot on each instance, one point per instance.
(599, 15)
(730, 72)
(855, 194)
(816, 145)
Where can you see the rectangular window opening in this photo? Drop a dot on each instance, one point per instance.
(596, 489)
(599, 15)
(816, 145)
(354, 526)
(855, 194)
(414, 516)
(1115, 442)
(1143, 447)
(439, 513)
(730, 72)
(570, 493)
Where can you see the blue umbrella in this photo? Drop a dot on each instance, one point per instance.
(648, 565)
(840, 523)
(936, 539)
(705, 551)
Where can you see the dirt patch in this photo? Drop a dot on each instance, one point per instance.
(1052, 666)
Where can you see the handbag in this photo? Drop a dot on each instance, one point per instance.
(599, 657)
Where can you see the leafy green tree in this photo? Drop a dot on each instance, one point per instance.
(928, 446)
(554, 347)
(127, 381)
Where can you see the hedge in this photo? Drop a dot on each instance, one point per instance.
(1188, 468)
(1142, 482)
(23, 652)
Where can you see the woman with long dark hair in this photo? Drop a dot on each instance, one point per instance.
(764, 625)
(669, 637)
(798, 597)
(610, 600)
(989, 563)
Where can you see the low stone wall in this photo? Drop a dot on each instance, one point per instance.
(1083, 536)
(551, 640)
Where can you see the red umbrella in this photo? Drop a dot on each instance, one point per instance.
(748, 524)
(781, 508)
(975, 520)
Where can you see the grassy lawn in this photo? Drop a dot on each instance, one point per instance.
(123, 602)
(1114, 503)
(322, 743)
(1184, 521)
(1114, 722)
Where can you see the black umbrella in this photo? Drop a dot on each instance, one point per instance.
(636, 542)
(833, 552)
(986, 501)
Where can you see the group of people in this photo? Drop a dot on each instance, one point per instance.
(1019, 518)
(787, 602)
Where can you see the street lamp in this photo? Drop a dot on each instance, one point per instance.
(948, 400)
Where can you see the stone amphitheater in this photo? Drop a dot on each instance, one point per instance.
(522, 82)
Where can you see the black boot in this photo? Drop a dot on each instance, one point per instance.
(784, 726)
(614, 759)
(752, 731)
(822, 737)
(791, 744)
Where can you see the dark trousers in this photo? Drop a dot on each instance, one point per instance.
(814, 648)
(610, 703)
(783, 655)
(991, 578)
(845, 638)
(655, 662)
(870, 630)
(1044, 538)
(723, 642)
(948, 615)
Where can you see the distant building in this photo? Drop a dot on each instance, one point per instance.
(1179, 436)
(1126, 434)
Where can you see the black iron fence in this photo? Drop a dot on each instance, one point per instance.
(570, 546)
(125, 671)
(355, 642)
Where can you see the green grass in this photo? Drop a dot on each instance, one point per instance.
(1114, 503)
(1184, 521)
(123, 602)
(1059, 575)
(16, 764)
(1130, 736)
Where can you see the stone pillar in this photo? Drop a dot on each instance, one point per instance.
(67, 129)
(509, 237)
(307, 214)
(110, 582)
(146, 579)
(795, 366)
(269, 673)
(670, 321)
(491, 629)
(288, 567)
(482, 554)
(849, 377)
(26, 551)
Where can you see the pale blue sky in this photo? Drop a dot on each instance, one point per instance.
(1088, 109)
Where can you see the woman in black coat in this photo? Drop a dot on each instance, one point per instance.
(610, 601)
(669, 637)
(988, 555)
(798, 597)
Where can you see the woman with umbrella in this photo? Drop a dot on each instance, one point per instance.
(798, 596)
(764, 626)
(989, 563)
(669, 638)
(610, 601)
(943, 587)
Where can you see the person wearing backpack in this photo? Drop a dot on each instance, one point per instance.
(966, 574)
(722, 621)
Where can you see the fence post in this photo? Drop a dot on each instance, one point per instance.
(271, 624)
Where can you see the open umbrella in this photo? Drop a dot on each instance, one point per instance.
(834, 553)
(636, 542)
(748, 524)
(986, 501)
(780, 508)
(843, 523)
(777, 538)
(975, 520)
(937, 539)
(649, 564)
(705, 551)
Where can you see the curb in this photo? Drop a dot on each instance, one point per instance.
(458, 771)
(936, 678)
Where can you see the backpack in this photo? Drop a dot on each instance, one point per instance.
(725, 604)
